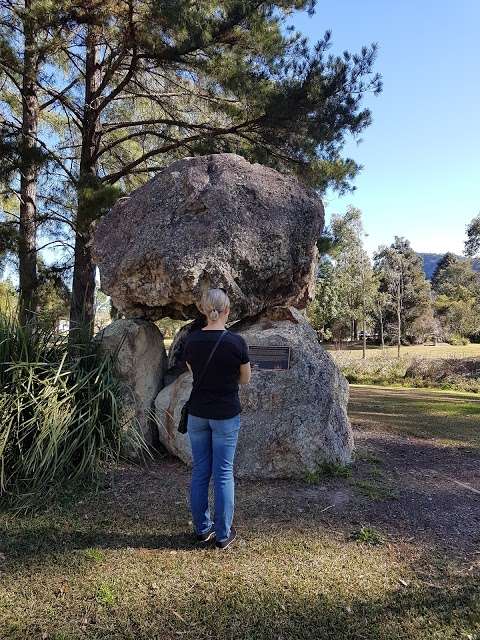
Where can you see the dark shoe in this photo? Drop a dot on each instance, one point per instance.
(207, 536)
(223, 544)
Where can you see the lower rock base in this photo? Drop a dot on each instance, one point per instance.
(292, 420)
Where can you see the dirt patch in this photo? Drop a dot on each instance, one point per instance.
(410, 487)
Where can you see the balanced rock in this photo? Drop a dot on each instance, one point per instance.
(208, 221)
(292, 419)
(140, 365)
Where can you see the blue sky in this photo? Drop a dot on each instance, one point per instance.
(421, 155)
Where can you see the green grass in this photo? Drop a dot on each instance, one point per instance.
(327, 469)
(121, 564)
(368, 535)
(298, 583)
(449, 418)
(106, 594)
(441, 350)
(375, 488)
(96, 555)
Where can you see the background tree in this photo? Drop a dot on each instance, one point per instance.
(345, 286)
(30, 33)
(53, 295)
(391, 273)
(381, 302)
(368, 291)
(326, 305)
(151, 81)
(400, 272)
(457, 298)
(8, 295)
(352, 267)
(445, 261)
(472, 243)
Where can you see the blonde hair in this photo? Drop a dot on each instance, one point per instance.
(213, 303)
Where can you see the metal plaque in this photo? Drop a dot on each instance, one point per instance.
(269, 358)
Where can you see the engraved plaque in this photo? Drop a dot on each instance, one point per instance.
(269, 357)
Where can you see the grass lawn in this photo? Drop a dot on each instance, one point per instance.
(441, 350)
(448, 418)
(387, 551)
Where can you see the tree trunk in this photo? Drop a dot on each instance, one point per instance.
(82, 308)
(399, 327)
(364, 320)
(364, 340)
(382, 339)
(355, 330)
(27, 245)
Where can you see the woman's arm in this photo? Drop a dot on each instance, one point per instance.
(245, 373)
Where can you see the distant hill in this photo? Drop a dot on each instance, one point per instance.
(430, 261)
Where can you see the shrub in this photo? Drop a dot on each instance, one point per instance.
(446, 373)
(379, 370)
(61, 418)
(462, 374)
(458, 340)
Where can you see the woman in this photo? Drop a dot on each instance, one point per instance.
(214, 416)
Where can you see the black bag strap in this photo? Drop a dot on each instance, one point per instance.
(202, 375)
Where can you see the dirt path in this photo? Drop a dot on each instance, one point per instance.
(426, 443)
(408, 487)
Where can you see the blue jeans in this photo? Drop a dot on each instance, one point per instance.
(213, 450)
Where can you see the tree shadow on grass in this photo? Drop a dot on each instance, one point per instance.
(48, 541)
(265, 610)
(425, 504)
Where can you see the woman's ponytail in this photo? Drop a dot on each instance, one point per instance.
(213, 303)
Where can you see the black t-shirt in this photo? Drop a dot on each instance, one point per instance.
(217, 395)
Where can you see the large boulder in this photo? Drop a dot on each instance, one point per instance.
(176, 364)
(207, 221)
(292, 419)
(140, 366)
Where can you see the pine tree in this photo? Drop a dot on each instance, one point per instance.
(445, 261)
(30, 32)
(401, 274)
(206, 77)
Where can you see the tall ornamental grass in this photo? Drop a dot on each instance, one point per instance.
(60, 418)
(460, 374)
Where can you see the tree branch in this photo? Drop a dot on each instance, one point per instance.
(7, 72)
(113, 177)
(57, 95)
(64, 100)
